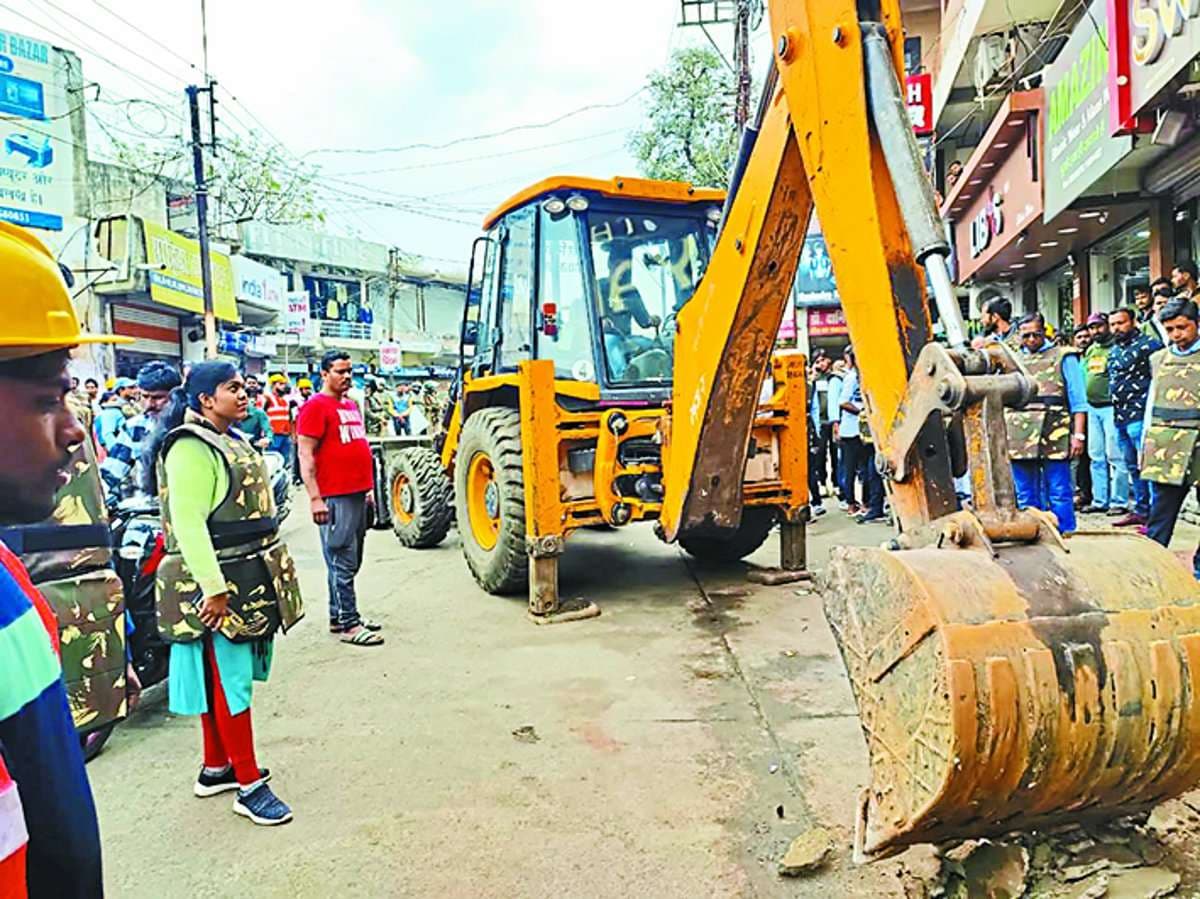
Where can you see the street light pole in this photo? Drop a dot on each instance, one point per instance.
(210, 317)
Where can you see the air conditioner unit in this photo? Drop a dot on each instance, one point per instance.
(991, 57)
(1019, 50)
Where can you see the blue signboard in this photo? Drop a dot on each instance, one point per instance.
(22, 97)
(27, 219)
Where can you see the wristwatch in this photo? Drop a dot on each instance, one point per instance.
(1078, 436)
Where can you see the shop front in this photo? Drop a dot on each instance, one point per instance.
(1023, 223)
(1154, 80)
(155, 293)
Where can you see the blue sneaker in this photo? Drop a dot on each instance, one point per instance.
(262, 806)
(212, 784)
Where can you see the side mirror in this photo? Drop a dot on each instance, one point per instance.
(470, 335)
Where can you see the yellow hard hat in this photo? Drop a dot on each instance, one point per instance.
(38, 315)
(304, 382)
(277, 378)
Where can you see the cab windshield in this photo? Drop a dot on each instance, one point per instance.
(646, 266)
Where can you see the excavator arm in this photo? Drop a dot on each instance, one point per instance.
(1006, 677)
(812, 144)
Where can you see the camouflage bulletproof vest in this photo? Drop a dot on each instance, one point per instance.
(1169, 451)
(260, 575)
(1042, 430)
(68, 558)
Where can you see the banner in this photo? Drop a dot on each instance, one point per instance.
(298, 317)
(175, 277)
(389, 356)
(37, 165)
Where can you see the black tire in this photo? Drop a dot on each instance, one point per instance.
(92, 742)
(756, 525)
(428, 520)
(495, 433)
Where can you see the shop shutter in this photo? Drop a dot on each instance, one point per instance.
(1177, 175)
(153, 332)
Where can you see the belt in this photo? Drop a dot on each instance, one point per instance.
(1169, 415)
(228, 534)
(52, 537)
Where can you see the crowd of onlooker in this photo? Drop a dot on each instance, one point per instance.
(1112, 430)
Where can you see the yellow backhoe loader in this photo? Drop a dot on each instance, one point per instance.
(1006, 677)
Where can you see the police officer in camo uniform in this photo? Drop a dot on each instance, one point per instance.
(1171, 452)
(69, 559)
(1052, 429)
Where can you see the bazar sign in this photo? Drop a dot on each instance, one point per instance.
(175, 274)
(1165, 38)
(37, 165)
(1078, 146)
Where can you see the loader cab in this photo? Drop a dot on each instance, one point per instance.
(591, 275)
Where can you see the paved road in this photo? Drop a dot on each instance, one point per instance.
(682, 740)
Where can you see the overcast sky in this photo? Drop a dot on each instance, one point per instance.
(366, 75)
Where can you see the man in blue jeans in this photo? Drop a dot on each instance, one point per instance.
(1129, 376)
(1050, 431)
(1110, 483)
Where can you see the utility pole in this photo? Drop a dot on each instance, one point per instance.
(210, 317)
(393, 290)
(745, 16)
(741, 54)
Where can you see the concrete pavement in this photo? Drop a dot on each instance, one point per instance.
(672, 747)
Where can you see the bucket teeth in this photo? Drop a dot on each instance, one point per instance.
(1011, 693)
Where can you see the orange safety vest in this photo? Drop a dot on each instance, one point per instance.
(279, 413)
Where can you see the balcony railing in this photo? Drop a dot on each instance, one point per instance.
(347, 330)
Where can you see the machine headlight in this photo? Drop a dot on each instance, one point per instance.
(555, 206)
(577, 203)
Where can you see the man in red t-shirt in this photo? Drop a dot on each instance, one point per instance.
(338, 472)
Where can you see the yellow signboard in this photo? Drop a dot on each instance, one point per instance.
(175, 273)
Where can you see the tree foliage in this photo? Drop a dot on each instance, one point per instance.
(247, 179)
(689, 133)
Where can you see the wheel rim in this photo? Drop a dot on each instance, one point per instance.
(403, 498)
(483, 501)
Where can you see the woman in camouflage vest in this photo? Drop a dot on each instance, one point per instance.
(226, 582)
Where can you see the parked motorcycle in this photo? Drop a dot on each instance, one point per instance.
(280, 472)
(138, 539)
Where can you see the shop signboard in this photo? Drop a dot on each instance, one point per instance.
(1000, 210)
(787, 327)
(298, 317)
(390, 356)
(827, 321)
(1163, 39)
(1078, 146)
(259, 284)
(175, 278)
(918, 93)
(37, 165)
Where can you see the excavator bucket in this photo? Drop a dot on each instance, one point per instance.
(1053, 682)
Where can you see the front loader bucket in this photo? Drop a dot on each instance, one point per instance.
(1012, 693)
